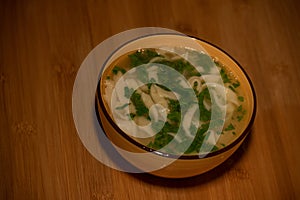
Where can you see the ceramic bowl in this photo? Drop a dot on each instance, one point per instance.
(162, 164)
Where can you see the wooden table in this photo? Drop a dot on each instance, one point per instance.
(42, 45)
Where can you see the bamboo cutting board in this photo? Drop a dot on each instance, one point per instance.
(42, 45)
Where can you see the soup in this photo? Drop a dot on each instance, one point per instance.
(212, 131)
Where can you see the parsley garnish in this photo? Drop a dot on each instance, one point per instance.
(127, 92)
(232, 88)
(116, 69)
(237, 84)
(240, 98)
(142, 57)
(229, 127)
(205, 114)
(240, 117)
(141, 109)
(121, 107)
(224, 76)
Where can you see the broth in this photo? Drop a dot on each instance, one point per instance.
(149, 94)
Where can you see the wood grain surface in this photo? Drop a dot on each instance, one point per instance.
(42, 45)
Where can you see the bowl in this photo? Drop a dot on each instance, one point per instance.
(163, 163)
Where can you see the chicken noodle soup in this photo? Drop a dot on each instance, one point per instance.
(174, 100)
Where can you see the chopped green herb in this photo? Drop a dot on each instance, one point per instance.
(174, 105)
(142, 57)
(241, 98)
(240, 117)
(181, 66)
(234, 133)
(175, 112)
(237, 84)
(198, 140)
(209, 147)
(229, 127)
(170, 128)
(205, 114)
(149, 86)
(117, 69)
(174, 116)
(141, 109)
(123, 106)
(224, 76)
(132, 115)
(240, 108)
(163, 87)
(150, 144)
(161, 139)
(128, 92)
(215, 148)
(142, 74)
(232, 88)
(218, 64)
(108, 78)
